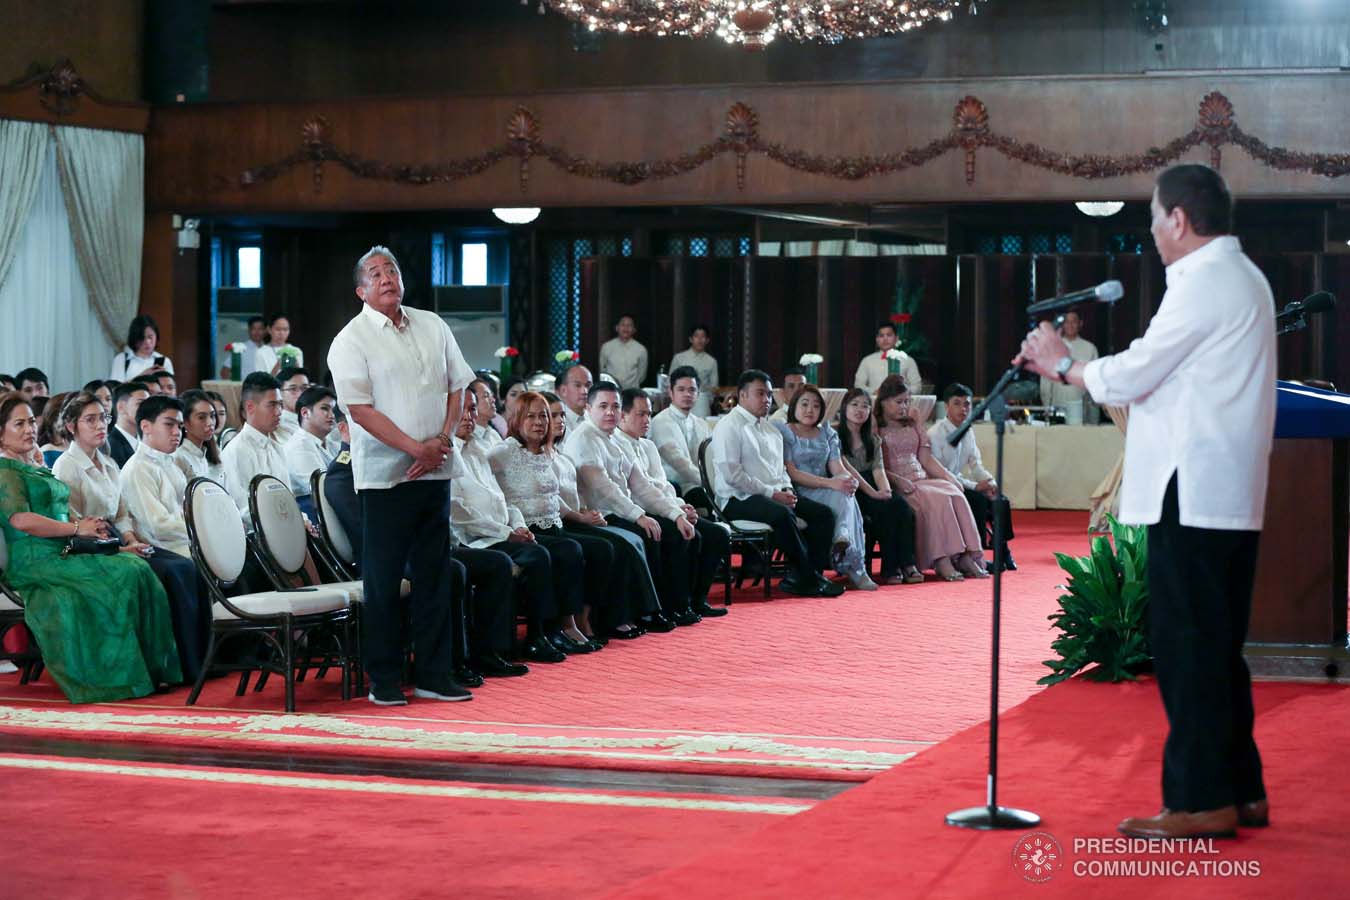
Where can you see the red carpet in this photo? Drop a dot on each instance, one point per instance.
(102, 833)
(841, 688)
(1083, 756)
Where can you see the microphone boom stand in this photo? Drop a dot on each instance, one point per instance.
(991, 816)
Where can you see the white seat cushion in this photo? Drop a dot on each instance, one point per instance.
(356, 590)
(8, 605)
(750, 526)
(297, 603)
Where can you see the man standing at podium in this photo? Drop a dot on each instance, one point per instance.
(1200, 385)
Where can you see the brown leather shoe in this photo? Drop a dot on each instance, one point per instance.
(1255, 814)
(1208, 823)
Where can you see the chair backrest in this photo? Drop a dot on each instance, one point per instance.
(214, 528)
(226, 436)
(278, 524)
(704, 451)
(330, 526)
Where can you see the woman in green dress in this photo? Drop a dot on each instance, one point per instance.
(102, 621)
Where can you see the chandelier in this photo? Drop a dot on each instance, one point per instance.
(755, 23)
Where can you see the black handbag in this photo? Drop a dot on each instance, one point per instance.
(88, 546)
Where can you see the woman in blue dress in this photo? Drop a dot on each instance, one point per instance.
(812, 458)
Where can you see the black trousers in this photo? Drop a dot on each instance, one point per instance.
(985, 510)
(1200, 595)
(406, 528)
(809, 551)
(576, 560)
(669, 560)
(630, 591)
(189, 608)
(538, 581)
(714, 544)
(492, 589)
(892, 521)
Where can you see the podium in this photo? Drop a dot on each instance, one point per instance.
(1298, 620)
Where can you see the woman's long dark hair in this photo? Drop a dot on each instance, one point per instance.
(845, 434)
(190, 399)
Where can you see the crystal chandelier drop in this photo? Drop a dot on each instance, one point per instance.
(755, 23)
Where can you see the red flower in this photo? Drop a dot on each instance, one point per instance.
(512, 351)
(902, 318)
(576, 355)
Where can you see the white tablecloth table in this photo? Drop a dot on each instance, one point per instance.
(1052, 467)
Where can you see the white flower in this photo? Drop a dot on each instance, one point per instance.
(500, 352)
(809, 359)
(894, 354)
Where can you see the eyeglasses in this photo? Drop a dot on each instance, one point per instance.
(93, 421)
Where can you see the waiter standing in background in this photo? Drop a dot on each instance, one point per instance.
(1200, 385)
(400, 375)
(1078, 407)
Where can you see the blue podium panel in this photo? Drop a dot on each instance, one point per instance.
(1309, 412)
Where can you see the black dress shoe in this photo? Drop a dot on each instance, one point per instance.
(658, 623)
(686, 617)
(560, 643)
(597, 639)
(468, 677)
(1008, 564)
(792, 585)
(628, 635)
(569, 646)
(710, 612)
(495, 667)
(828, 588)
(540, 650)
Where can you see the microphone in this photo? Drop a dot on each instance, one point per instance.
(1106, 292)
(1316, 303)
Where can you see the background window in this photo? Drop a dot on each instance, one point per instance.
(250, 267)
(474, 264)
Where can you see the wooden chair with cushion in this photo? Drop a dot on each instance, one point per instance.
(220, 549)
(747, 535)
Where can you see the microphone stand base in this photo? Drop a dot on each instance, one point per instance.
(993, 818)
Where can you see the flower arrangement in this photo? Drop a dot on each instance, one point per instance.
(904, 308)
(508, 357)
(566, 356)
(893, 360)
(236, 361)
(812, 362)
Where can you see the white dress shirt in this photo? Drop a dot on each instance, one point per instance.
(1055, 392)
(249, 455)
(625, 360)
(705, 364)
(1200, 385)
(572, 419)
(265, 357)
(407, 372)
(873, 369)
(290, 424)
(747, 457)
(479, 513)
(486, 436)
(607, 479)
(153, 486)
(127, 365)
(963, 460)
(646, 460)
(94, 489)
(569, 496)
(192, 460)
(304, 453)
(677, 437)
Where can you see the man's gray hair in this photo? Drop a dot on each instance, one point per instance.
(359, 273)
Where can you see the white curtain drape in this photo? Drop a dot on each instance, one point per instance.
(23, 148)
(103, 178)
(45, 315)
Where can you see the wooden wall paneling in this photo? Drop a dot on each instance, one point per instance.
(786, 297)
(711, 297)
(970, 279)
(1336, 323)
(1291, 277)
(943, 318)
(824, 331)
(594, 311)
(1007, 289)
(854, 309)
(652, 295)
(1122, 318)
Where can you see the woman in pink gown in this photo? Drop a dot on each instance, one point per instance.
(946, 537)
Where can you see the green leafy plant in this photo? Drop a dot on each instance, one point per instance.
(1104, 615)
(904, 308)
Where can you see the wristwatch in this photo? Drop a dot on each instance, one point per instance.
(1062, 368)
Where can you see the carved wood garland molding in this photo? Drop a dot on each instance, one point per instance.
(1215, 125)
(56, 95)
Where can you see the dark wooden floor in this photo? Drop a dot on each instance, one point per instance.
(428, 770)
